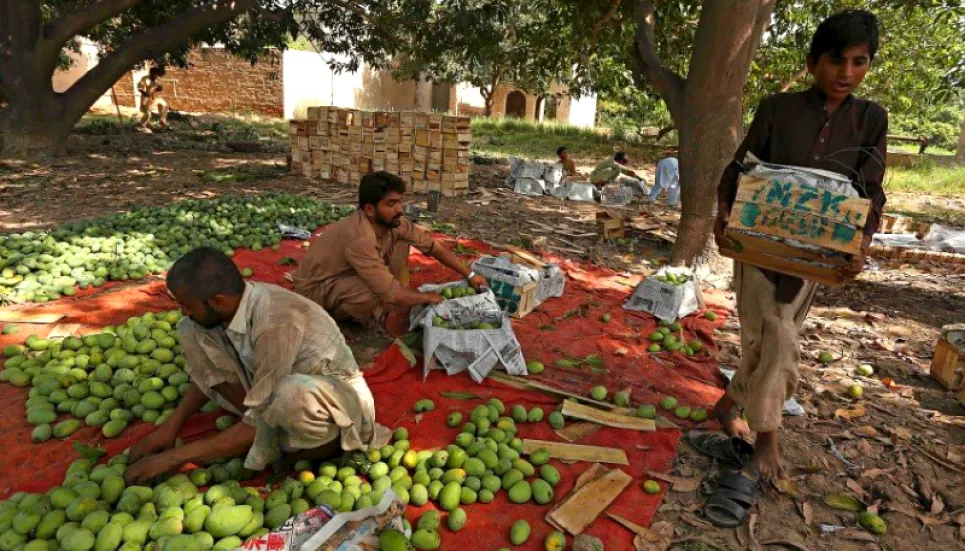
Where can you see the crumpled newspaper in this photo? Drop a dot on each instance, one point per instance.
(322, 529)
(477, 350)
(292, 232)
(504, 277)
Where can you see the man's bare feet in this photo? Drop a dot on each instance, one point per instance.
(725, 411)
(767, 457)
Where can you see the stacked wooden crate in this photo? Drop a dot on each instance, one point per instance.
(430, 152)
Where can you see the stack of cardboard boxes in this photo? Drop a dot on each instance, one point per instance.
(429, 151)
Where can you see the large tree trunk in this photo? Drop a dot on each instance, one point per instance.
(727, 37)
(961, 145)
(31, 128)
(706, 106)
(38, 119)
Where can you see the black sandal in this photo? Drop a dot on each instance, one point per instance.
(732, 450)
(731, 502)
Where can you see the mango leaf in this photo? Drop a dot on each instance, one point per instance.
(460, 395)
(843, 502)
(89, 452)
(406, 352)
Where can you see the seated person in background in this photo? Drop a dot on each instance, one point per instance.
(274, 358)
(361, 264)
(668, 177)
(569, 167)
(615, 171)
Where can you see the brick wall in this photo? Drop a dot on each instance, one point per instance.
(216, 81)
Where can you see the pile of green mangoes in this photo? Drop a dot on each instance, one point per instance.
(103, 379)
(647, 411)
(663, 339)
(485, 458)
(42, 266)
(457, 292)
(672, 279)
(440, 322)
(95, 510)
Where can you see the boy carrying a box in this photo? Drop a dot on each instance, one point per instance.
(824, 127)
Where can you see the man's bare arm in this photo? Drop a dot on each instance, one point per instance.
(408, 297)
(164, 436)
(232, 442)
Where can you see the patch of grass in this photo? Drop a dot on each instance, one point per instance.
(503, 137)
(930, 179)
(931, 214)
(98, 124)
(913, 148)
(244, 174)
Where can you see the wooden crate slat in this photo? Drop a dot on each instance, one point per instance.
(810, 215)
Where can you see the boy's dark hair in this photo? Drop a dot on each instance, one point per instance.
(205, 272)
(158, 71)
(376, 185)
(620, 157)
(844, 30)
(560, 150)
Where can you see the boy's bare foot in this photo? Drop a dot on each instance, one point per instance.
(725, 411)
(767, 457)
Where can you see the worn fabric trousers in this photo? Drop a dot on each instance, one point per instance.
(770, 353)
(667, 178)
(351, 299)
(305, 411)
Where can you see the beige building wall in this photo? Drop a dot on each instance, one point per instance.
(569, 110)
(81, 62)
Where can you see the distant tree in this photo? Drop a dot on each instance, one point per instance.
(34, 35)
(487, 43)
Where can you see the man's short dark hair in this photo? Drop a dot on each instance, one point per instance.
(560, 151)
(205, 272)
(158, 71)
(844, 30)
(376, 185)
(620, 157)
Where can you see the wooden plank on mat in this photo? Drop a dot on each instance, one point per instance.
(799, 226)
(810, 200)
(577, 452)
(608, 418)
(26, 317)
(575, 431)
(578, 511)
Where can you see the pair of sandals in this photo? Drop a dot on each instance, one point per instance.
(731, 502)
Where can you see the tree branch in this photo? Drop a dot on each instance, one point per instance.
(76, 22)
(668, 84)
(794, 79)
(149, 43)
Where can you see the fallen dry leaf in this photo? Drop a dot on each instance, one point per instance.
(807, 512)
(902, 509)
(931, 521)
(787, 486)
(866, 431)
(889, 383)
(678, 483)
(655, 538)
(851, 413)
(855, 487)
(900, 433)
(872, 473)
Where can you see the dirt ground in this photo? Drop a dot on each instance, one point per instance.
(902, 451)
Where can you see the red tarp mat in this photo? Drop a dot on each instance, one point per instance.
(567, 327)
